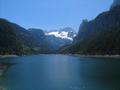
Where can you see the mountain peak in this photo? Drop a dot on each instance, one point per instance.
(115, 3)
(65, 33)
(67, 29)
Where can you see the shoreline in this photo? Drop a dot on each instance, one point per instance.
(8, 56)
(88, 56)
(98, 56)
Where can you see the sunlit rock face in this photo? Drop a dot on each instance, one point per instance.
(115, 3)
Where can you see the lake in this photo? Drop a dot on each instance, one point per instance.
(61, 72)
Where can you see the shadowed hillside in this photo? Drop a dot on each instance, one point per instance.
(99, 36)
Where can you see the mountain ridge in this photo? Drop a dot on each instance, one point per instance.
(31, 41)
(98, 36)
(65, 33)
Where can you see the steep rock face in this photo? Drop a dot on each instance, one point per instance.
(59, 38)
(99, 36)
(104, 21)
(115, 3)
(38, 35)
(56, 43)
(49, 40)
(66, 33)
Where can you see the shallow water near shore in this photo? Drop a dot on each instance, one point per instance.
(61, 72)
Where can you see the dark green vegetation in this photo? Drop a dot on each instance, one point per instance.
(100, 36)
(19, 41)
(16, 40)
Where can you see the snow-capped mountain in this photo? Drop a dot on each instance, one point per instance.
(53, 40)
(65, 33)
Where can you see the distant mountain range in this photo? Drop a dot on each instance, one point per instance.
(100, 36)
(54, 39)
(65, 33)
(15, 39)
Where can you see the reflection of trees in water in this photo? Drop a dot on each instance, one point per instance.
(3, 69)
(2, 88)
(2, 82)
(104, 71)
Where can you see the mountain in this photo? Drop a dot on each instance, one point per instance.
(56, 43)
(65, 33)
(9, 43)
(115, 3)
(14, 39)
(39, 36)
(60, 38)
(98, 36)
(54, 39)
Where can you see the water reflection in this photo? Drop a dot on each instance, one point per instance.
(101, 72)
(60, 72)
(4, 66)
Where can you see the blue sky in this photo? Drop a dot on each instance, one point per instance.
(51, 14)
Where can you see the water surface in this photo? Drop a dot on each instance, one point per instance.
(62, 72)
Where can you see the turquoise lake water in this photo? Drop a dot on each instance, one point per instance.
(61, 72)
